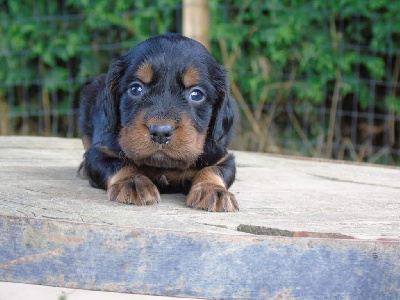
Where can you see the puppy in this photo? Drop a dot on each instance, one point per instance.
(160, 121)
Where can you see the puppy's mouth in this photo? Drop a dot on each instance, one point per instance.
(162, 144)
(160, 159)
(161, 156)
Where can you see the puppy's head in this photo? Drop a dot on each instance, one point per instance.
(168, 96)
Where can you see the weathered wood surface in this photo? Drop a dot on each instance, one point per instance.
(38, 179)
(56, 230)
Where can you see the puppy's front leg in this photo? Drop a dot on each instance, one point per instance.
(209, 190)
(124, 182)
(130, 186)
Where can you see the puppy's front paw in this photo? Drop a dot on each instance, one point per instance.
(211, 197)
(138, 190)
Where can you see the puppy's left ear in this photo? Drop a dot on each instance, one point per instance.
(111, 105)
(221, 125)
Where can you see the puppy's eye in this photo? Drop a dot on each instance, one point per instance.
(196, 95)
(136, 89)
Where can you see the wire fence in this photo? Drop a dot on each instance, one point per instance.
(51, 48)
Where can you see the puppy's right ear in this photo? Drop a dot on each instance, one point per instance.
(114, 75)
(111, 108)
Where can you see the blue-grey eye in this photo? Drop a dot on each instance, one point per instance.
(136, 89)
(196, 95)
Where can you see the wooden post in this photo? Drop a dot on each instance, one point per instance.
(196, 21)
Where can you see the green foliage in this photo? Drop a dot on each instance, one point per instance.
(393, 103)
(39, 39)
(320, 41)
(314, 39)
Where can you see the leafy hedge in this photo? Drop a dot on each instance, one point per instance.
(316, 40)
(38, 39)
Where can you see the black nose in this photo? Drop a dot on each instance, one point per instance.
(161, 134)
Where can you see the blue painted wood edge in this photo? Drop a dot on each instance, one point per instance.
(158, 262)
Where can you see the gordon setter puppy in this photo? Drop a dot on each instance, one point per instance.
(160, 121)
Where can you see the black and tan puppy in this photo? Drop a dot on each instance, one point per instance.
(160, 121)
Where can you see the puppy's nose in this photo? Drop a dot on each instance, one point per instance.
(161, 134)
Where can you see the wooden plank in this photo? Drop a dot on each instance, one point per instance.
(288, 194)
(335, 230)
(161, 262)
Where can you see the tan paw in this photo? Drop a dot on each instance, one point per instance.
(138, 190)
(211, 197)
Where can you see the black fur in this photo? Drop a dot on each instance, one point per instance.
(107, 107)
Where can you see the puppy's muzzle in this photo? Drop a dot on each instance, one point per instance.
(161, 134)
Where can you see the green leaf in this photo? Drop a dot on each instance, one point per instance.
(393, 103)
(365, 96)
(376, 66)
(313, 90)
(55, 79)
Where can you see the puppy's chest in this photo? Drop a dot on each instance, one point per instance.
(170, 178)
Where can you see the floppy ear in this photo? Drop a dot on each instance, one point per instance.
(221, 125)
(112, 93)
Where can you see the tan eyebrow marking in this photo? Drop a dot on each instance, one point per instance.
(145, 72)
(191, 77)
